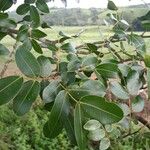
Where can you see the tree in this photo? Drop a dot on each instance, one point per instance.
(76, 90)
(94, 15)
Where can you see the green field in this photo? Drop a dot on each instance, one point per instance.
(90, 34)
(26, 133)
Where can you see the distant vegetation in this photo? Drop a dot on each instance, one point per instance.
(92, 16)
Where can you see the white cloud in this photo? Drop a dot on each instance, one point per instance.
(89, 3)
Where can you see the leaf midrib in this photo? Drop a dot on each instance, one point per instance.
(28, 65)
(26, 96)
(58, 116)
(10, 84)
(100, 109)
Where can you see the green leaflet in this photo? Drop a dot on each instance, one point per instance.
(29, 1)
(98, 108)
(68, 122)
(104, 144)
(3, 15)
(9, 87)
(118, 90)
(26, 96)
(5, 4)
(111, 5)
(51, 91)
(78, 127)
(68, 47)
(23, 9)
(36, 46)
(133, 83)
(55, 123)
(108, 70)
(35, 17)
(7, 23)
(90, 87)
(138, 42)
(27, 63)
(89, 62)
(45, 65)
(42, 6)
(36, 33)
(138, 104)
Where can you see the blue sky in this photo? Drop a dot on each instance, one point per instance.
(90, 3)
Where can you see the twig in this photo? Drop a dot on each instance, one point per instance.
(114, 52)
(46, 41)
(5, 67)
(143, 121)
(130, 134)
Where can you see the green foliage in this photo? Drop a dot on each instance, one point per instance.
(119, 91)
(23, 9)
(9, 88)
(34, 14)
(101, 110)
(42, 6)
(75, 80)
(45, 65)
(5, 4)
(24, 133)
(25, 98)
(27, 63)
(60, 109)
(36, 46)
(111, 5)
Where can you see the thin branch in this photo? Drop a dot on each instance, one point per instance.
(114, 52)
(46, 41)
(130, 134)
(143, 121)
(5, 67)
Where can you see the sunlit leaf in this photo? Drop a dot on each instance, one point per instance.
(90, 87)
(51, 91)
(118, 90)
(45, 65)
(133, 83)
(138, 104)
(108, 70)
(98, 108)
(104, 144)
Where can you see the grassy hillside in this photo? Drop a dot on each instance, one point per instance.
(92, 16)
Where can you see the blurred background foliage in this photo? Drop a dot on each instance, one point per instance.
(92, 16)
(25, 133)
